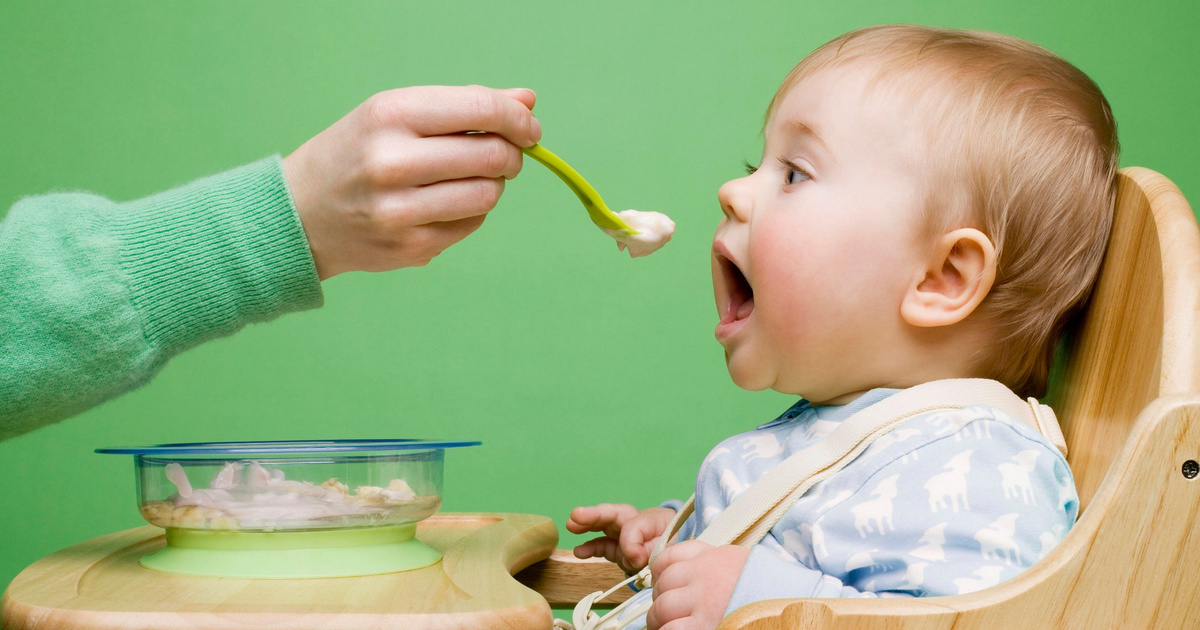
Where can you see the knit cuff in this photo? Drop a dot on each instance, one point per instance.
(221, 252)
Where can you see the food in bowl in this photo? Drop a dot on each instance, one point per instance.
(247, 495)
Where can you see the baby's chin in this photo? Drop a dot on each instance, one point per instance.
(747, 375)
(753, 377)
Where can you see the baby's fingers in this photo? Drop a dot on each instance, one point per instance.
(679, 552)
(637, 541)
(606, 517)
(603, 547)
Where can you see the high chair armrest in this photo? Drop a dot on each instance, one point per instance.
(859, 614)
(564, 579)
(1128, 563)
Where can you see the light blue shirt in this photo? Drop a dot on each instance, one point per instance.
(949, 502)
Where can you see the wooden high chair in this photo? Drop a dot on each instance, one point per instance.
(1128, 398)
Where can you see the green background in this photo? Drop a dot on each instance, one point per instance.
(588, 376)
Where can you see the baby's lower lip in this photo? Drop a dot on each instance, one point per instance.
(731, 322)
(726, 330)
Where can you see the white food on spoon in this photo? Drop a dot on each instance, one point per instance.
(654, 230)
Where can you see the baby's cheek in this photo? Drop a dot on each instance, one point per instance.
(797, 271)
(789, 309)
(788, 275)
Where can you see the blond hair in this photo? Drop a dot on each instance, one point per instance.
(1023, 147)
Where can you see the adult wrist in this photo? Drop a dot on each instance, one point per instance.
(207, 258)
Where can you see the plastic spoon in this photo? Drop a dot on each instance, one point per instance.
(604, 218)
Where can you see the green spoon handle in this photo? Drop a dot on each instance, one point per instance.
(596, 208)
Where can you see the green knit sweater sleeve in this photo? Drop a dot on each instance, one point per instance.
(96, 296)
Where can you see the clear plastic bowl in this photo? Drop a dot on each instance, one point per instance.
(289, 486)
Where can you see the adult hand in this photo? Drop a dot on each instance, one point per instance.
(629, 534)
(399, 179)
(693, 582)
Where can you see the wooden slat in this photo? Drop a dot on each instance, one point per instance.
(564, 579)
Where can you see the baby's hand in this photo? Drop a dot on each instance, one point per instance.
(400, 179)
(629, 535)
(693, 582)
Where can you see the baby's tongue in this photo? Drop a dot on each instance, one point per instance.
(745, 309)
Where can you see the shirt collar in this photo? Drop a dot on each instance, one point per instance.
(831, 413)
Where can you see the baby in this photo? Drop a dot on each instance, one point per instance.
(931, 204)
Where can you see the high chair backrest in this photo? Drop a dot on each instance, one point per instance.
(1137, 338)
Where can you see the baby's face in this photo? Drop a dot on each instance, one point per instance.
(820, 243)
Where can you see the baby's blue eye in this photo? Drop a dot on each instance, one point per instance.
(795, 176)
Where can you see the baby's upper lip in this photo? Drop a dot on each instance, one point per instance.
(722, 251)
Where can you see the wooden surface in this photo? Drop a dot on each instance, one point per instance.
(564, 579)
(1138, 337)
(99, 584)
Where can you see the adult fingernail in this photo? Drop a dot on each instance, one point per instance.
(535, 129)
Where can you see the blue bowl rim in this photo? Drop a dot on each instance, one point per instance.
(287, 447)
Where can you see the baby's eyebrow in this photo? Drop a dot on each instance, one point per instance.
(797, 127)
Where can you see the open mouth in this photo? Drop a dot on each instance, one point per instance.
(738, 290)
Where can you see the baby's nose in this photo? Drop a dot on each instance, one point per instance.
(735, 198)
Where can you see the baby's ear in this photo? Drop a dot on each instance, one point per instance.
(959, 273)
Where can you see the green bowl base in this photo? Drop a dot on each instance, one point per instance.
(292, 555)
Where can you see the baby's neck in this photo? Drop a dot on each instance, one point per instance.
(838, 401)
(931, 356)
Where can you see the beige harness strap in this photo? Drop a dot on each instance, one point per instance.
(754, 512)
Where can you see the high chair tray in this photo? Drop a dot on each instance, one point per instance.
(99, 584)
